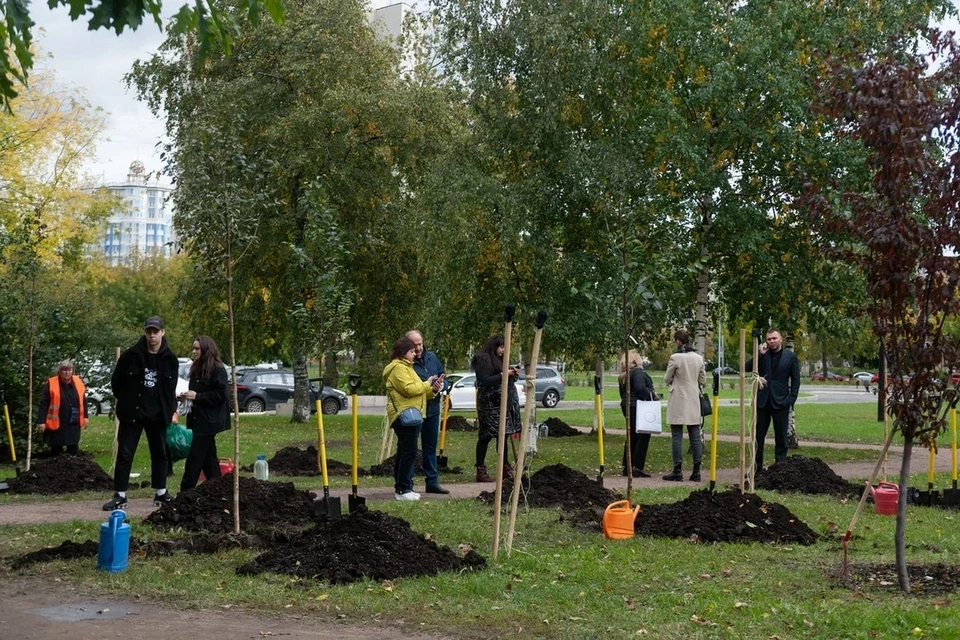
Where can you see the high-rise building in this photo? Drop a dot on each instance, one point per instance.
(145, 227)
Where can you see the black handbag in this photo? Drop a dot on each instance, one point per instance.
(706, 407)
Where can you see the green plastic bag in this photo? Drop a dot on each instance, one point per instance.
(179, 439)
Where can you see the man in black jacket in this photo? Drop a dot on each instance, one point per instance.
(781, 372)
(144, 383)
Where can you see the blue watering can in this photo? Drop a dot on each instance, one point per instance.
(114, 543)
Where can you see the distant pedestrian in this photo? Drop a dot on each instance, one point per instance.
(405, 390)
(685, 378)
(144, 383)
(63, 410)
(641, 388)
(488, 365)
(208, 414)
(780, 370)
(427, 365)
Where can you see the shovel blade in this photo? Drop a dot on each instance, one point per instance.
(328, 507)
(442, 463)
(354, 502)
(951, 497)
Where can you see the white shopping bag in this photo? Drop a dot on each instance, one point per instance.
(648, 417)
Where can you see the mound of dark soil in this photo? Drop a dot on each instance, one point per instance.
(62, 474)
(730, 516)
(385, 468)
(558, 486)
(925, 580)
(293, 461)
(364, 544)
(557, 428)
(459, 423)
(67, 550)
(799, 474)
(263, 505)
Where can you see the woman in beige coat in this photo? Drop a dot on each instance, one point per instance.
(685, 377)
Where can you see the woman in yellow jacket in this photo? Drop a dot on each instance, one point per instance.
(405, 390)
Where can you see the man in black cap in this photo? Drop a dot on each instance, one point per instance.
(144, 383)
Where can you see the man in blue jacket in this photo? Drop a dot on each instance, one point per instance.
(427, 364)
(781, 370)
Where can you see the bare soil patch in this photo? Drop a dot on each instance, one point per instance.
(61, 474)
(730, 516)
(800, 474)
(925, 580)
(557, 428)
(459, 423)
(263, 505)
(363, 544)
(385, 468)
(294, 461)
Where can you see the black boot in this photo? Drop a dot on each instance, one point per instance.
(676, 476)
(695, 476)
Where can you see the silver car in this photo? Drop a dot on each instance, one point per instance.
(550, 386)
(99, 400)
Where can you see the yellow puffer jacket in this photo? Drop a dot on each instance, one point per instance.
(404, 389)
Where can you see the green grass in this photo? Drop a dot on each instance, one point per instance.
(559, 582)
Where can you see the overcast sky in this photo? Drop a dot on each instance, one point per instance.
(97, 61)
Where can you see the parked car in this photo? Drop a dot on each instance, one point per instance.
(99, 400)
(864, 376)
(262, 390)
(463, 391)
(550, 386)
(727, 371)
(830, 377)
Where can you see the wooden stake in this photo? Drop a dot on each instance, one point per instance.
(743, 413)
(508, 311)
(525, 429)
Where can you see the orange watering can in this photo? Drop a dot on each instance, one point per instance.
(885, 498)
(618, 520)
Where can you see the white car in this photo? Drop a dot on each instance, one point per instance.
(463, 391)
(863, 376)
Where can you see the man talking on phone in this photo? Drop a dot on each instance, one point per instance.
(427, 364)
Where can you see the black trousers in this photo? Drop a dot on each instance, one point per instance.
(483, 442)
(202, 457)
(781, 418)
(57, 449)
(127, 439)
(639, 443)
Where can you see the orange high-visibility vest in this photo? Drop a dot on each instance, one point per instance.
(53, 411)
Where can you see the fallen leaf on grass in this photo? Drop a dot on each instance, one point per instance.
(740, 605)
(267, 633)
(631, 605)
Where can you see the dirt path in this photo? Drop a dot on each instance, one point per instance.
(37, 609)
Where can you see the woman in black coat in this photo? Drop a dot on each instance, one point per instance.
(488, 365)
(209, 413)
(641, 388)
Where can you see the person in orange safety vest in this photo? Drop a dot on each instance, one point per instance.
(63, 410)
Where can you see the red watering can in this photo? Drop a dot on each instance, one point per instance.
(885, 498)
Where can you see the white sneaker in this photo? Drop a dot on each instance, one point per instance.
(409, 496)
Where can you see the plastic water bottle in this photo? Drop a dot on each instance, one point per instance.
(260, 469)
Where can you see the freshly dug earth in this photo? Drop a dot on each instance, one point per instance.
(799, 474)
(66, 550)
(263, 505)
(730, 516)
(459, 423)
(557, 428)
(62, 474)
(293, 461)
(363, 544)
(925, 580)
(558, 486)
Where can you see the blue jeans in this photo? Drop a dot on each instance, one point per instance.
(404, 464)
(429, 435)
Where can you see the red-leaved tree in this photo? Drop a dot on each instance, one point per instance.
(895, 215)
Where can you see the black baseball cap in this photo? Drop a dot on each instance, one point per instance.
(153, 322)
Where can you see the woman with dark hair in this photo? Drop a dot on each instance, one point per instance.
(405, 390)
(685, 377)
(641, 388)
(208, 414)
(488, 365)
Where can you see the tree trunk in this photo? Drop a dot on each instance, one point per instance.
(301, 389)
(899, 535)
(331, 375)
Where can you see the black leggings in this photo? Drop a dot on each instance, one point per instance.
(483, 442)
